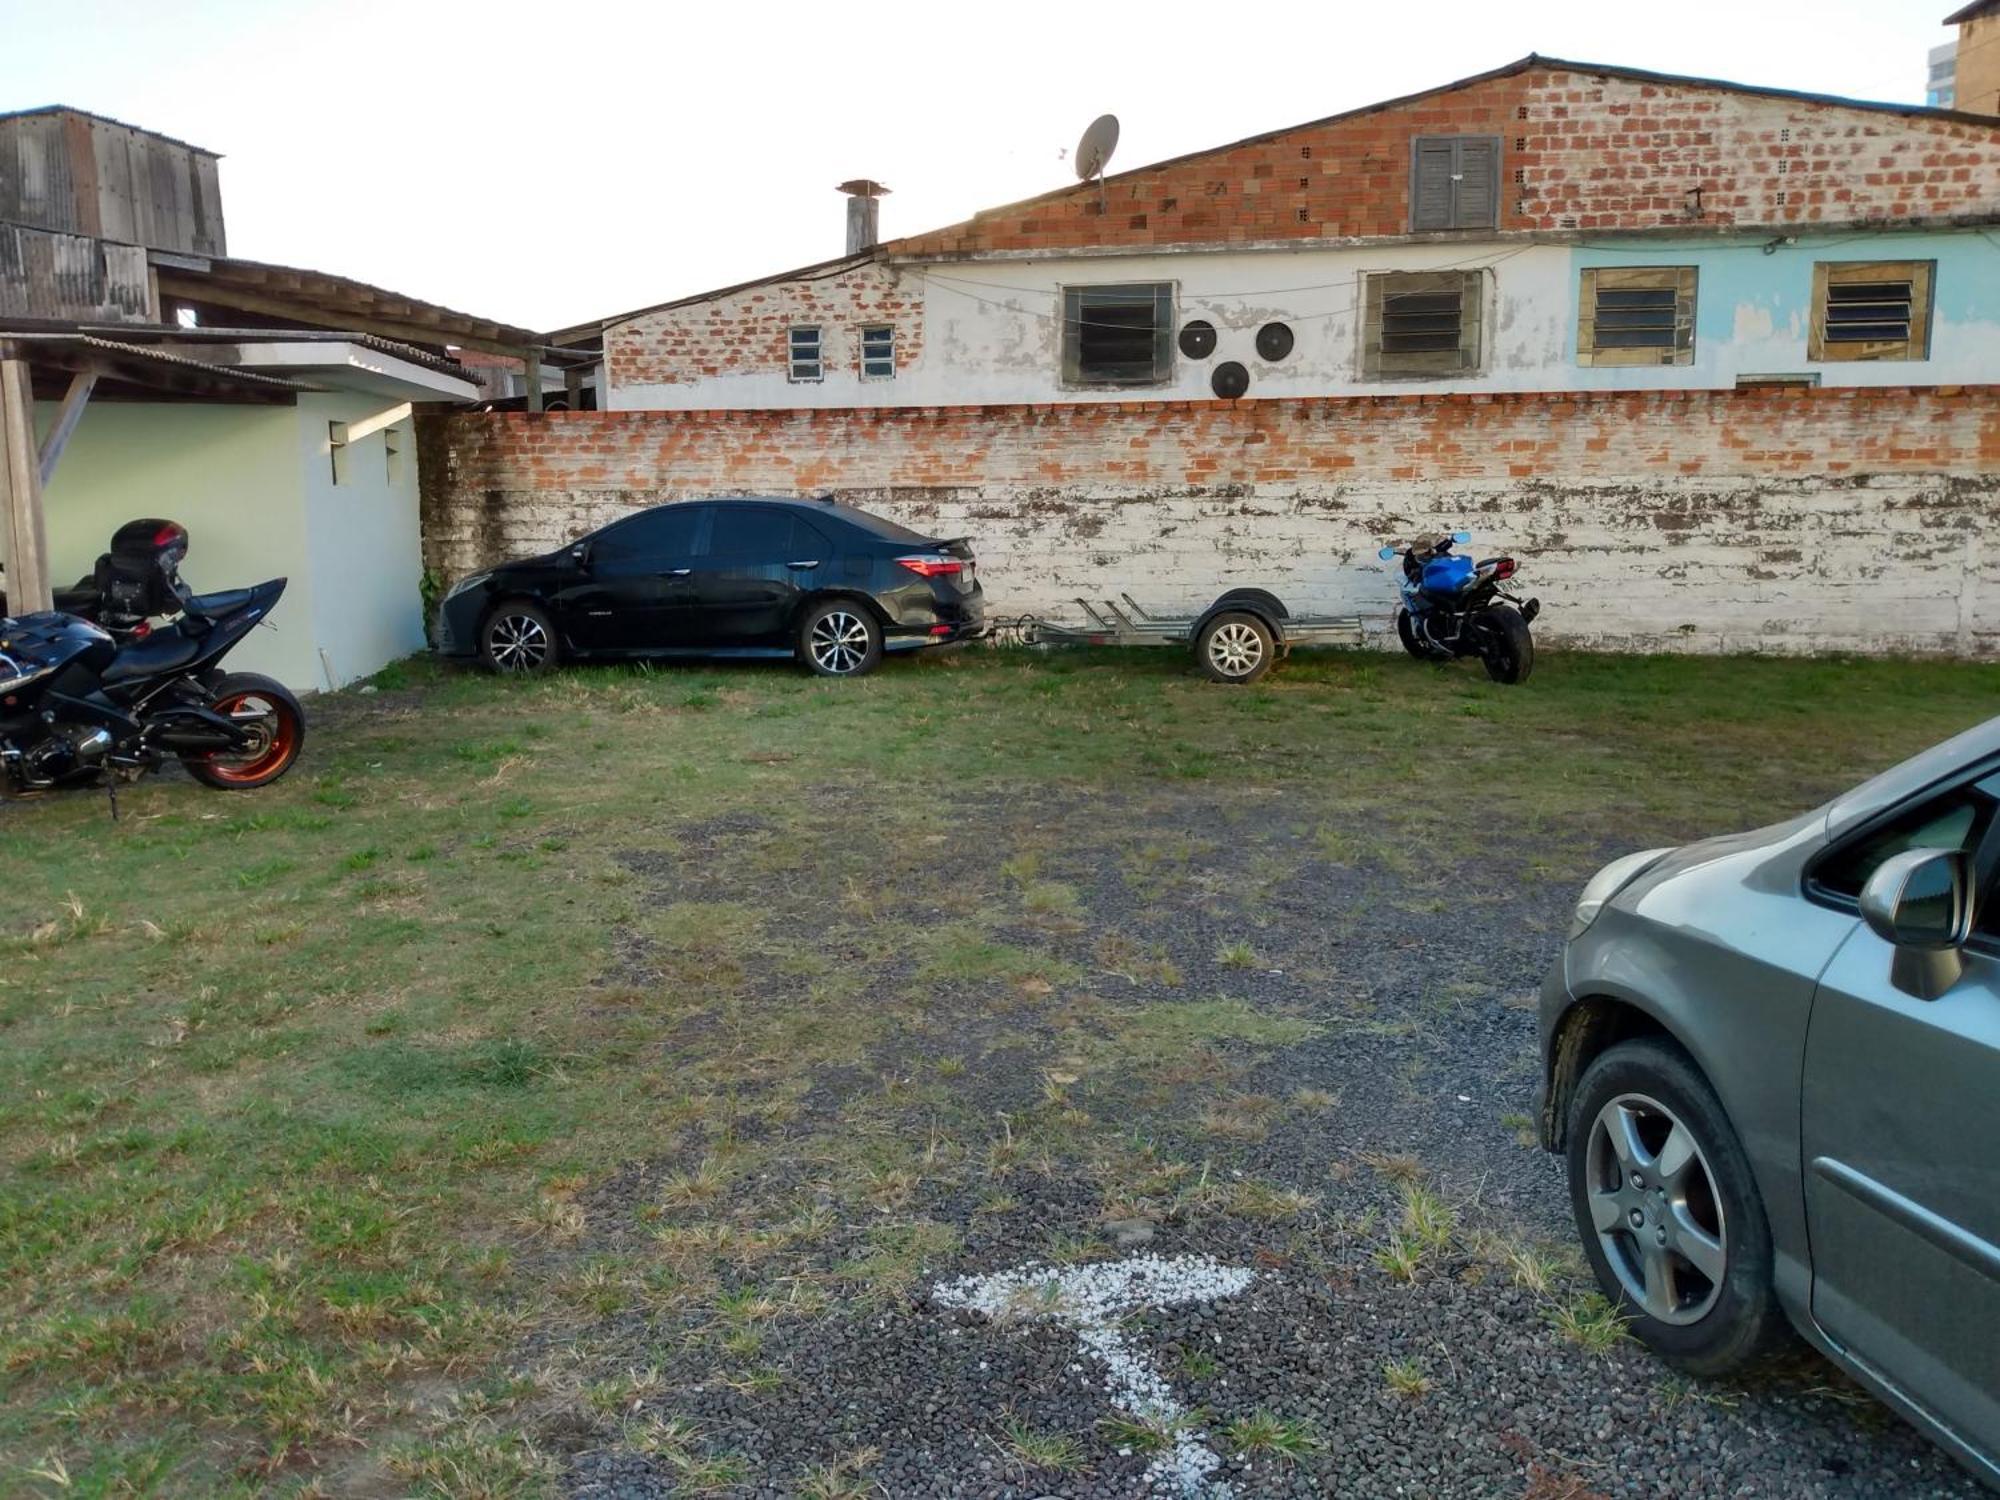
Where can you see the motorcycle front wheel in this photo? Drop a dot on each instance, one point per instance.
(277, 728)
(1505, 646)
(1406, 632)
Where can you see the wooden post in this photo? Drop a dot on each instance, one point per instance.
(23, 532)
(531, 377)
(573, 387)
(67, 416)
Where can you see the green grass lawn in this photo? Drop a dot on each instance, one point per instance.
(307, 1093)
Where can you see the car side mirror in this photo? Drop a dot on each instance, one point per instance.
(1386, 553)
(580, 555)
(1921, 902)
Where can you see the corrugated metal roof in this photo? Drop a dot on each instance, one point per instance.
(169, 365)
(71, 109)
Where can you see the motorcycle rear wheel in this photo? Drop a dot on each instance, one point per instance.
(1506, 647)
(281, 734)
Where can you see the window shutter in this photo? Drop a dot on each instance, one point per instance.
(1431, 195)
(1478, 188)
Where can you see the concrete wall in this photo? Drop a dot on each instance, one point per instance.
(1796, 521)
(363, 541)
(991, 331)
(230, 474)
(253, 485)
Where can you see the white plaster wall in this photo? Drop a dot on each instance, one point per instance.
(363, 541)
(992, 327)
(230, 474)
(253, 485)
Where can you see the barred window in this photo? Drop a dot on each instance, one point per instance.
(805, 353)
(1422, 323)
(878, 353)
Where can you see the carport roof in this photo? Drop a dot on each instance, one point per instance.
(141, 371)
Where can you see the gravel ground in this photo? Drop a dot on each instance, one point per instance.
(1421, 977)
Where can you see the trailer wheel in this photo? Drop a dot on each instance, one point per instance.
(1235, 647)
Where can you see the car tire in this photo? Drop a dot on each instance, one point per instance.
(840, 638)
(518, 639)
(1509, 648)
(1685, 1253)
(1235, 647)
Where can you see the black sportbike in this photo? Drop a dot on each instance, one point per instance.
(84, 700)
(1453, 607)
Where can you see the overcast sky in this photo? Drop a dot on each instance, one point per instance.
(544, 164)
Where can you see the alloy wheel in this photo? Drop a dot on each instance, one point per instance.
(517, 643)
(1655, 1209)
(1236, 649)
(839, 642)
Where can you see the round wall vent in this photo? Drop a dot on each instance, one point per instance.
(1230, 380)
(1274, 341)
(1198, 339)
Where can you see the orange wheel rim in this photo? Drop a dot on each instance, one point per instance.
(280, 743)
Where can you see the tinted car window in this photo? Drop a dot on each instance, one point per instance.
(750, 531)
(667, 531)
(874, 525)
(1956, 819)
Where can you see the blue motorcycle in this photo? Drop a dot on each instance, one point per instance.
(1453, 607)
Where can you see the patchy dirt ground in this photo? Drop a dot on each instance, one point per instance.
(1202, 1025)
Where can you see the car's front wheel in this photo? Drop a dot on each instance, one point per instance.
(840, 639)
(518, 637)
(1669, 1212)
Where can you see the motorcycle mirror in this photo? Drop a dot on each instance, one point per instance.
(1386, 553)
(1461, 536)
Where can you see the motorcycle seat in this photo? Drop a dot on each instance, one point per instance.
(162, 651)
(208, 606)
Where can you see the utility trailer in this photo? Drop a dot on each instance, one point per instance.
(1236, 639)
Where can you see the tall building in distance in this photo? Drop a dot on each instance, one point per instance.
(1940, 84)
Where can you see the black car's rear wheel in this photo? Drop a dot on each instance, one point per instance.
(840, 639)
(518, 637)
(1670, 1216)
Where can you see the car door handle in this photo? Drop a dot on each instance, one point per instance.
(812, 563)
(677, 572)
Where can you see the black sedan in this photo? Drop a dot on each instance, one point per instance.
(830, 585)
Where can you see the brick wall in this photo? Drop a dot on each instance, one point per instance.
(748, 330)
(1785, 521)
(1593, 151)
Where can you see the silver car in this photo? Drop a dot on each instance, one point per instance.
(1772, 1061)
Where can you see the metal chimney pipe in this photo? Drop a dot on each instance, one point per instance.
(864, 207)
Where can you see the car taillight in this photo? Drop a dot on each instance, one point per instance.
(932, 565)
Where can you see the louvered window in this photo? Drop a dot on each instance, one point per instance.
(1871, 309)
(1118, 335)
(1636, 315)
(1454, 182)
(1422, 323)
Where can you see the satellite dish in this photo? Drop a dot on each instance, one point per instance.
(1095, 149)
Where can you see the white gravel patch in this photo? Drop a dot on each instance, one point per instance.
(1092, 1300)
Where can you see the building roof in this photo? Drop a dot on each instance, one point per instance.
(335, 302)
(577, 334)
(71, 109)
(583, 332)
(1520, 65)
(1973, 12)
(143, 371)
